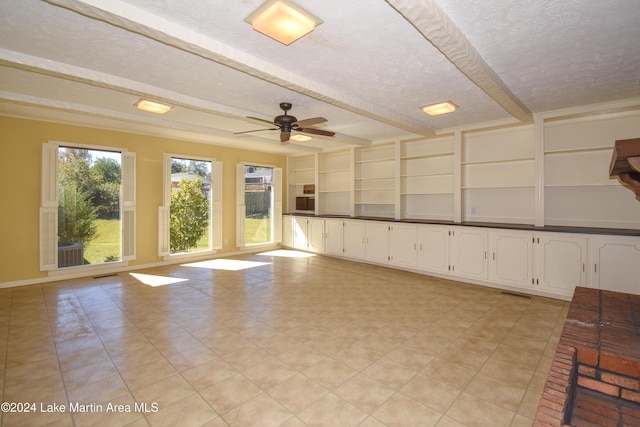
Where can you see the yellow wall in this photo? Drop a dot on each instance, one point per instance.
(20, 170)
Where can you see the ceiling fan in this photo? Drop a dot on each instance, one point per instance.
(287, 124)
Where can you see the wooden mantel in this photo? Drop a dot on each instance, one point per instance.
(625, 163)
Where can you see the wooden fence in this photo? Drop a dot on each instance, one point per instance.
(257, 203)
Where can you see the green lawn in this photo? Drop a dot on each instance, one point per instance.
(256, 230)
(106, 245)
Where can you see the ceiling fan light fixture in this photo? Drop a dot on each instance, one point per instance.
(300, 138)
(282, 20)
(152, 106)
(440, 108)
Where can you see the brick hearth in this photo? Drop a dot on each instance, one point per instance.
(595, 375)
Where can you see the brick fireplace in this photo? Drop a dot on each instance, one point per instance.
(594, 378)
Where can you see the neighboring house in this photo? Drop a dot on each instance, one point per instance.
(258, 180)
(177, 177)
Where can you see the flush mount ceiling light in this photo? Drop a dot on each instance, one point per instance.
(283, 21)
(440, 108)
(152, 107)
(300, 138)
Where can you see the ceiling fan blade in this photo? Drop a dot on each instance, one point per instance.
(261, 120)
(316, 131)
(255, 130)
(284, 136)
(311, 122)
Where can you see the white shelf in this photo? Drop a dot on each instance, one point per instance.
(375, 179)
(578, 150)
(427, 156)
(498, 161)
(612, 184)
(497, 187)
(359, 162)
(334, 170)
(418, 175)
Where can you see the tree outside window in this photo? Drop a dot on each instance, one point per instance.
(89, 183)
(190, 208)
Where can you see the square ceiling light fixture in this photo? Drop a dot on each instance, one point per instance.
(440, 108)
(152, 107)
(282, 20)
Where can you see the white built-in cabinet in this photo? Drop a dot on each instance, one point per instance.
(551, 262)
(334, 236)
(539, 262)
(403, 245)
(376, 241)
(354, 239)
(615, 263)
(306, 233)
(460, 251)
(386, 203)
(433, 245)
(511, 258)
(468, 252)
(287, 230)
(561, 262)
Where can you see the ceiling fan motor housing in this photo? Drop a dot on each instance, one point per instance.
(285, 121)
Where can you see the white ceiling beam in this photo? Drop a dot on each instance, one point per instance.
(139, 21)
(431, 21)
(108, 81)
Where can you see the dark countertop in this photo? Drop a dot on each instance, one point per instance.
(505, 226)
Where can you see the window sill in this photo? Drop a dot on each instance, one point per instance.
(189, 256)
(88, 269)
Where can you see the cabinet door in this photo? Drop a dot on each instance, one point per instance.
(287, 231)
(377, 240)
(468, 255)
(335, 232)
(403, 245)
(511, 258)
(561, 262)
(616, 263)
(299, 233)
(433, 248)
(315, 234)
(354, 238)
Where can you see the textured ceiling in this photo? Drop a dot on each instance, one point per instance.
(368, 68)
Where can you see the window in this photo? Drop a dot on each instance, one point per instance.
(191, 214)
(259, 205)
(87, 213)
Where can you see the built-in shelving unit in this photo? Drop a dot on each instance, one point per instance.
(577, 187)
(374, 181)
(301, 175)
(554, 172)
(498, 176)
(427, 179)
(335, 178)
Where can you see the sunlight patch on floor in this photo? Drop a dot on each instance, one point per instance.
(226, 264)
(287, 254)
(153, 280)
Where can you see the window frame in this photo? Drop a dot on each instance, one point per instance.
(276, 187)
(215, 208)
(49, 200)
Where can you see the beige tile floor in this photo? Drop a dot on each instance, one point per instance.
(272, 340)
